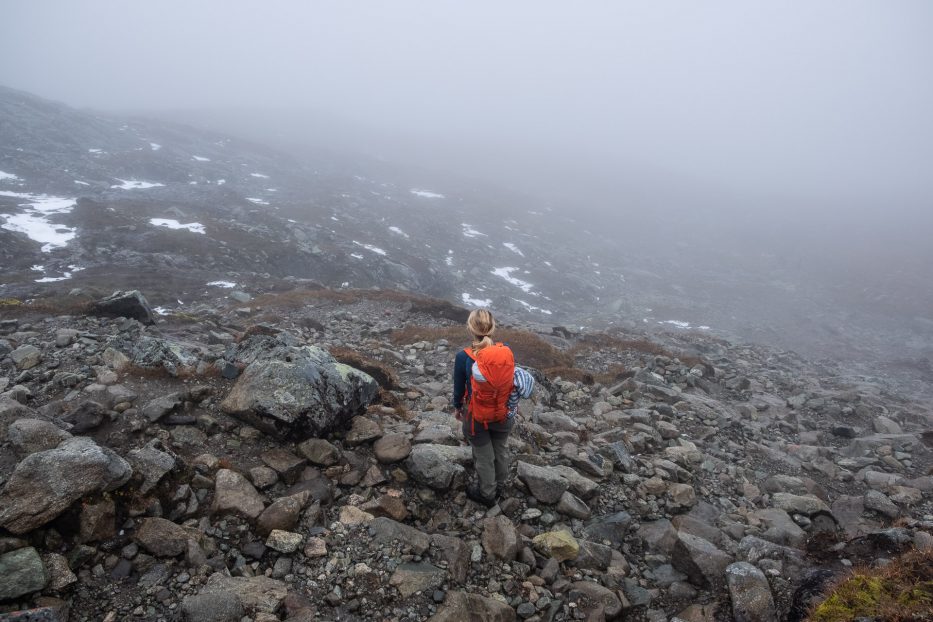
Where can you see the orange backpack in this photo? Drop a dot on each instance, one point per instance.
(488, 400)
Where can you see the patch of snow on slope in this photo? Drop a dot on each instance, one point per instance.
(5, 176)
(427, 194)
(259, 175)
(133, 184)
(470, 232)
(370, 247)
(532, 307)
(200, 158)
(35, 221)
(513, 248)
(155, 146)
(193, 227)
(398, 231)
(506, 273)
(224, 284)
(82, 183)
(476, 302)
(257, 201)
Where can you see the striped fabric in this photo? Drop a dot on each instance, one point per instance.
(522, 385)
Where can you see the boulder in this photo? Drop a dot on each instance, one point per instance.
(234, 494)
(601, 602)
(131, 304)
(283, 514)
(26, 357)
(45, 483)
(386, 530)
(21, 572)
(431, 467)
(284, 541)
(410, 579)
(545, 484)
(573, 506)
(299, 392)
(557, 544)
(700, 560)
(610, 528)
(500, 538)
(362, 430)
(750, 594)
(283, 462)
(31, 435)
(392, 448)
(159, 407)
(150, 465)
(320, 452)
(161, 537)
(459, 606)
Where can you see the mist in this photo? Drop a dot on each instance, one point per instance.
(752, 137)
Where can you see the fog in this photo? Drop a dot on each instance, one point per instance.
(799, 134)
(829, 101)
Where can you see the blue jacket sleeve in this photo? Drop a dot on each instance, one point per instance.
(461, 375)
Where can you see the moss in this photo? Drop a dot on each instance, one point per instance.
(10, 302)
(898, 592)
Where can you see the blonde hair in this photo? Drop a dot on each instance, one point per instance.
(481, 324)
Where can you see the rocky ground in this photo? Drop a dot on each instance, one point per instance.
(226, 464)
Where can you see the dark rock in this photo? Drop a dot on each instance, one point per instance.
(700, 560)
(21, 572)
(459, 606)
(215, 607)
(299, 392)
(45, 483)
(131, 304)
(86, 416)
(161, 537)
(750, 593)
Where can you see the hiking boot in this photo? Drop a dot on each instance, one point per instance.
(473, 493)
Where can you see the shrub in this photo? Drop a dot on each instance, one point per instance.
(901, 591)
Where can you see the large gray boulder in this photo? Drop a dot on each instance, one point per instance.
(430, 466)
(298, 392)
(460, 606)
(45, 483)
(131, 304)
(700, 560)
(750, 594)
(546, 484)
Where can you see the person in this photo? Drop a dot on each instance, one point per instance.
(487, 425)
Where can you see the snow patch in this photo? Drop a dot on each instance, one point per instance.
(427, 194)
(5, 176)
(257, 201)
(370, 247)
(532, 307)
(356, 256)
(224, 284)
(259, 175)
(155, 146)
(82, 183)
(677, 323)
(470, 232)
(95, 151)
(35, 221)
(398, 231)
(476, 302)
(513, 248)
(161, 311)
(221, 182)
(200, 158)
(133, 184)
(193, 227)
(506, 273)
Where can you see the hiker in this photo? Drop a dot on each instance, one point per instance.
(487, 388)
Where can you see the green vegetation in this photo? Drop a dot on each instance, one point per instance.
(901, 591)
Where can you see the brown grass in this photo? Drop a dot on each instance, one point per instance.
(298, 298)
(901, 591)
(51, 305)
(530, 349)
(603, 341)
(382, 373)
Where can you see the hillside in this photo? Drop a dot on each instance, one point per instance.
(183, 471)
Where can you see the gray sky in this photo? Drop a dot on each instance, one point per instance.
(813, 98)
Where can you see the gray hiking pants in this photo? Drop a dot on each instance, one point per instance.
(490, 453)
